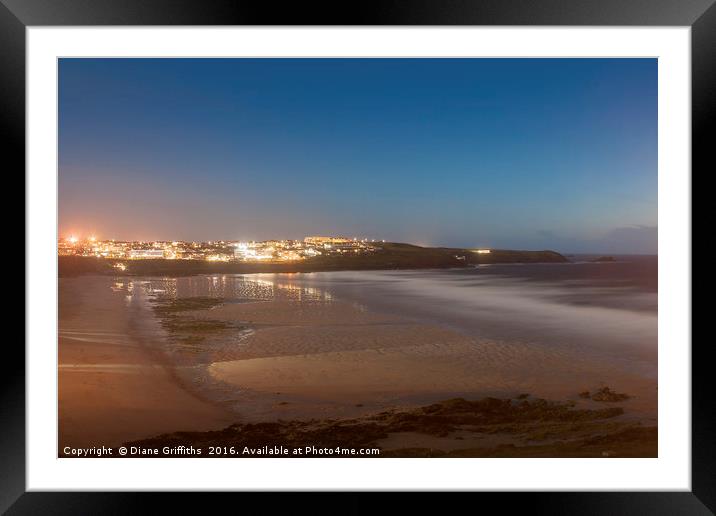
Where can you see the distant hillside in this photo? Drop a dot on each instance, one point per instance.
(388, 256)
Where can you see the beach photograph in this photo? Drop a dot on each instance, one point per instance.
(357, 258)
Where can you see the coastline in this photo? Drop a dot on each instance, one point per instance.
(305, 356)
(390, 256)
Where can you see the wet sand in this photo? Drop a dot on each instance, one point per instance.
(321, 360)
(132, 368)
(111, 389)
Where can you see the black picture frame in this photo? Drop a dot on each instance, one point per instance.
(700, 15)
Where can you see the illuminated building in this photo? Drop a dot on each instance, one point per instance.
(140, 254)
(323, 240)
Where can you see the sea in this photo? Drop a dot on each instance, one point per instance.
(604, 308)
(599, 308)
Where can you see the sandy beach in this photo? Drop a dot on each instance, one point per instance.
(145, 358)
(319, 360)
(111, 388)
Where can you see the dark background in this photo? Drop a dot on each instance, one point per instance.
(15, 15)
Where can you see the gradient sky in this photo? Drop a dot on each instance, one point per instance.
(513, 153)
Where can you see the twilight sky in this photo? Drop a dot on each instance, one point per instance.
(514, 153)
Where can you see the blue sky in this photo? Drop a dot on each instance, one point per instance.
(512, 153)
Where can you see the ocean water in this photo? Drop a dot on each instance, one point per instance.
(607, 309)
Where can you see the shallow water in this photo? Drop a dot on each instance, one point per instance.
(606, 309)
(601, 309)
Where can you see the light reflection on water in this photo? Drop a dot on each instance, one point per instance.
(232, 288)
(142, 295)
(187, 355)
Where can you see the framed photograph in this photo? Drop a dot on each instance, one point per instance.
(424, 247)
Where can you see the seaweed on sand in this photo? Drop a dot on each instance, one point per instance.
(539, 428)
(168, 305)
(187, 331)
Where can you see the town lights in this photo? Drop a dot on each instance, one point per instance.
(213, 251)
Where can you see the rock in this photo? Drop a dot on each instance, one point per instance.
(606, 394)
